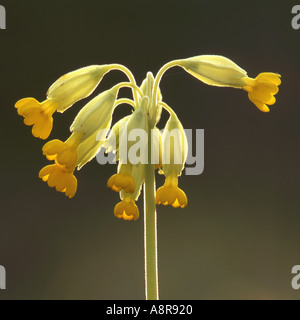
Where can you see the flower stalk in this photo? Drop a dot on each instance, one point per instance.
(150, 235)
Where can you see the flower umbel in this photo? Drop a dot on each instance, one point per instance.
(91, 125)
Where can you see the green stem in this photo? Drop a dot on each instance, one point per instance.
(134, 87)
(125, 101)
(150, 235)
(128, 74)
(150, 219)
(159, 75)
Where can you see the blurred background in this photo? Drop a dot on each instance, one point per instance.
(239, 236)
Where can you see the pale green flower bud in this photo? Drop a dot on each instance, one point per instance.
(87, 150)
(112, 142)
(137, 124)
(175, 147)
(76, 85)
(215, 70)
(97, 114)
(147, 88)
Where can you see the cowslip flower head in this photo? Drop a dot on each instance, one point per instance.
(135, 140)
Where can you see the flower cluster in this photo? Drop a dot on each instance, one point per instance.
(90, 130)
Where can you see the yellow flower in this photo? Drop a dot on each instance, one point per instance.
(67, 90)
(262, 89)
(174, 154)
(127, 209)
(59, 177)
(220, 71)
(123, 180)
(38, 115)
(64, 153)
(171, 194)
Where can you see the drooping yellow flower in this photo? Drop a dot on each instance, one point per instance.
(38, 115)
(122, 180)
(67, 90)
(174, 154)
(64, 153)
(61, 174)
(59, 177)
(171, 194)
(262, 89)
(127, 209)
(222, 72)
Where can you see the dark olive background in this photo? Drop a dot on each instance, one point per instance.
(238, 238)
